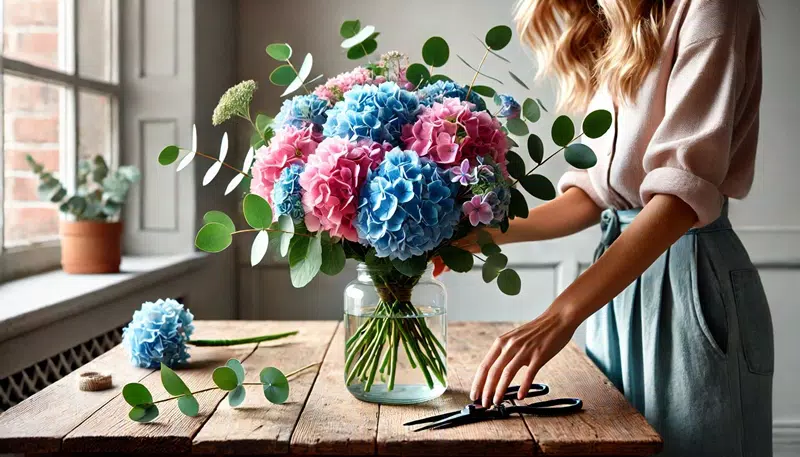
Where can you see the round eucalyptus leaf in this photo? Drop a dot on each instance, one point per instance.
(279, 51)
(518, 206)
(137, 412)
(349, 28)
(416, 73)
(236, 397)
(498, 37)
(493, 266)
(286, 225)
(363, 49)
(580, 156)
(237, 367)
(257, 211)
(282, 76)
(597, 123)
(143, 414)
(486, 91)
(302, 74)
(136, 394)
(538, 186)
(275, 384)
(225, 378)
(220, 217)
(188, 405)
(489, 249)
(517, 127)
(436, 78)
(359, 37)
(305, 259)
(259, 248)
(333, 258)
(509, 282)
(213, 237)
(168, 155)
(530, 109)
(413, 266)
(515, 166)
(484, 237)
(435, 51)
(457, 259)
(535, 148)
(563, 131)
(172, 382)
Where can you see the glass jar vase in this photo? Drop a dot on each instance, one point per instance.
(395, 336)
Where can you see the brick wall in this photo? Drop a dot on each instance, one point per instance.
(32, 118)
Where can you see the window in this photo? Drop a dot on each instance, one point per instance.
(60, 93)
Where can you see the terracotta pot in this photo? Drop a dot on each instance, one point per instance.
(89, 247)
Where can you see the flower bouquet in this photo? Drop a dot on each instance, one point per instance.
(388, 164)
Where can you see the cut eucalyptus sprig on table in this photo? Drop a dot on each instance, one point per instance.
(229, 378)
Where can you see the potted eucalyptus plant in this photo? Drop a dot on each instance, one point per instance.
(91, 232)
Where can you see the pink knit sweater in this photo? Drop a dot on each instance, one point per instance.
(693, 128)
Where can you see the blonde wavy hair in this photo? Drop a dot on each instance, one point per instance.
(589, 43)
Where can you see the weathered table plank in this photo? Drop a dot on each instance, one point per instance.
(257, 427)
(110, 430)
(333, 421)
(508, 438)
(608, 424)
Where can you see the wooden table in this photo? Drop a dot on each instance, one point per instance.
(320, 417)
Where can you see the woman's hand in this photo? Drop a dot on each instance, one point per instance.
(530, 345)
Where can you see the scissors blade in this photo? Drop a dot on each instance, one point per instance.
(457, 418)
(435, 418)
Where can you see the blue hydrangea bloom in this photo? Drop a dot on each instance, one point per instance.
(440, 90)
(286, 193)
(508, 107)
(407, 206)
(158, 333)
(302, 110)
(374, 112)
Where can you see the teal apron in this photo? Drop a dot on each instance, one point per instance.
(690, 344)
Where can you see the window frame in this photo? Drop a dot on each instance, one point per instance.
(20, 261)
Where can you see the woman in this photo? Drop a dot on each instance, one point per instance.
(677, 316)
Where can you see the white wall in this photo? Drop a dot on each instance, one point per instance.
(768, 221)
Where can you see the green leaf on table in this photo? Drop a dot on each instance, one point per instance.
(413, 266)
(279, 51)
(213, 237)
(259, 247)
(597, 123)
(457, 259)
(492, 267)
(333, 258)
(486, 91)
(305, 259)
(530, 109)
(363, 49)
(535, 148)
(498, 37)
(225, 378)
(489, 249)
(221, 218)
(286, 225)
(539, 186)
(517, 127)
(349, 29)
(236, 396)
(435, 51)
(143, 413)
(484, 237)
(563, 131)
(168, 155)
(136, 394)
(508, 281)
(188, 405)
(237, 368)
(518, 80)
(282, 76)
(580, 156)
(275, 384)
(515, 166)
(172, 382)
(416, 73)
(257, 211)
(518, 206)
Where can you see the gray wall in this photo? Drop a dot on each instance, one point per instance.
(768, 221)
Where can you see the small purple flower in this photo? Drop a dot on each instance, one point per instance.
(509, 107)
(462, 175)
(478, 210)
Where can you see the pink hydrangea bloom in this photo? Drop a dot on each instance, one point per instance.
(289, 145)
(452, 131)
(334, 89)
(331, 181)
(478, 210)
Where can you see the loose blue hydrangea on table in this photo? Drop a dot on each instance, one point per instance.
(391, 164)
(158, 334)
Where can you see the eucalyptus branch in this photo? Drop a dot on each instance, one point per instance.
(548, 158)
(289, 62)
(271, 230)
(207, 389)
(477, 72)
(479, 257)
(223, 163)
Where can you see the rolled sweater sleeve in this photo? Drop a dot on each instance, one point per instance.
(690, 151)
(581, 180)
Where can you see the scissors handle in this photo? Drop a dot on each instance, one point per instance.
(535, 390)
(553, 407)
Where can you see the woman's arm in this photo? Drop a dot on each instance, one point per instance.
(662, 221)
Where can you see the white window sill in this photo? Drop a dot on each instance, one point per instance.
(38, 300)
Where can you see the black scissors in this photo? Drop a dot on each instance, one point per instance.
(475, 413)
